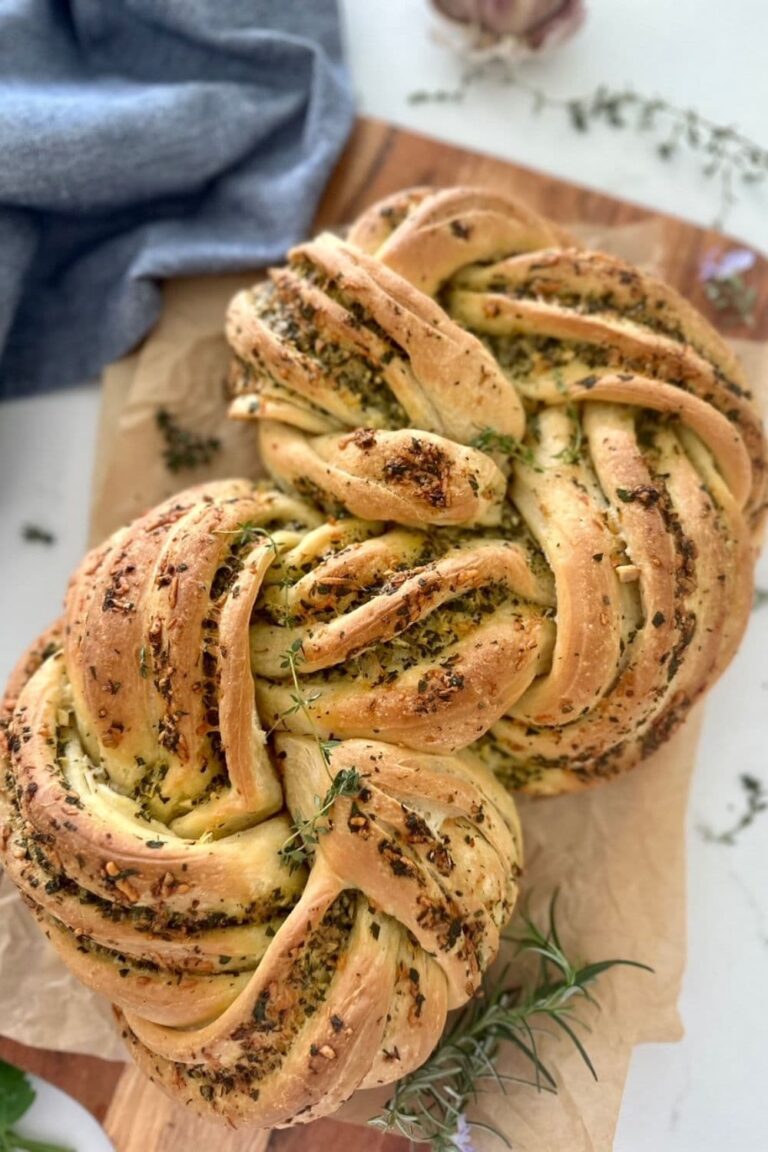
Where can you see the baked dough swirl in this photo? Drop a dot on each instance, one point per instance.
(520, 487)
(457, 363)
(147, 800)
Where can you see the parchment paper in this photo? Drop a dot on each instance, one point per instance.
(617, 853)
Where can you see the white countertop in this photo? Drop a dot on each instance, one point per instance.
(705, 1093)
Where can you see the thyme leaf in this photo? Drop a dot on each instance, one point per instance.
(300, 701)
(297, 849)
(248, 533)
(429, 1104)
(489, 440)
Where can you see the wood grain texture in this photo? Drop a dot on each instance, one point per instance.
(378, 160)
(141, 1118)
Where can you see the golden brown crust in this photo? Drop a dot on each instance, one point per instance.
(418, 479)
(546, 469)
(146, 801)
(635, 455)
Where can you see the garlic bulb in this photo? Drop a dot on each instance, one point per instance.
(534, 24)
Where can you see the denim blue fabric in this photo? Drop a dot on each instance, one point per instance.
(141, 139)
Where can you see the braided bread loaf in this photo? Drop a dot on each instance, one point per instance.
(459, 366)
(147, 805)
(549, 473)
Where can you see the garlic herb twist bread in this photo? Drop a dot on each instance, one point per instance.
(158, 746)
(458, 365)
(255, 782)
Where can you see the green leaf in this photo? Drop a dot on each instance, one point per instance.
(16, 1094)
(24, 1144)
(295, 850)
(592, 971)
(561, 1023)
(489, 440)
(429, 1104)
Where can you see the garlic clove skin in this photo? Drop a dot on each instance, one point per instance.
(534, 24)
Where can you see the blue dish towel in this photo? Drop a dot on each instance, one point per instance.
(141, 139)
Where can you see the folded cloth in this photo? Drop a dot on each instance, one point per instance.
(142, 139)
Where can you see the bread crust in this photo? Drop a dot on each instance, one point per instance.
(149, 791)
(521, 485)
(634, 455)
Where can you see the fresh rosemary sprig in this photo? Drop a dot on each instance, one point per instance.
(727, 154)
(761, 598)
(184, 449)
(429, 1105)
(297, 849)
(489, 440)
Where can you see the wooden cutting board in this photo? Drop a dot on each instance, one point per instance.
(378, 160)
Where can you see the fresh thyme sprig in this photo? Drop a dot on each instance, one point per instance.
(248, 533)
(297, 849)
(184, 449)
(429, 1105)
(729, 156)
(347, 782)
(292, 657)
(489, 440)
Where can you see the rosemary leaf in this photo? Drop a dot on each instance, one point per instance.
(429, 1104)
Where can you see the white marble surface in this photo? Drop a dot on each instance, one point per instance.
(705, 1093)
